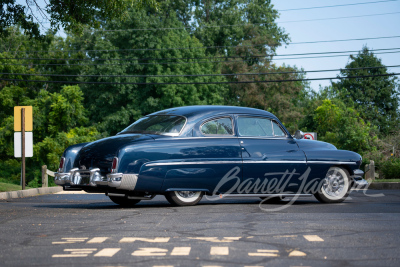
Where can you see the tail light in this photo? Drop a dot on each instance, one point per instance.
(114, 165)
(61, 166)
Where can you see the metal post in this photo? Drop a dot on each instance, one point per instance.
(23, 146)
(45, 178)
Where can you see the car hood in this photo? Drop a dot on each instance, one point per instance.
(314, 145)
(100, 153)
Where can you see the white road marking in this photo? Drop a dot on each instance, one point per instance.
(70, 240)
(313, 238)
(151, 240)
(107, 252)
(216, 240)
(297, 253)
(150, 252)
(97, 240)
(180, 251)
(265, 253)
(75, 252)
(221, 251)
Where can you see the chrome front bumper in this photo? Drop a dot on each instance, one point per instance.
(93, 177)
(358, 181)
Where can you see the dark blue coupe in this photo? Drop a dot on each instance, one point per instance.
(187, 152)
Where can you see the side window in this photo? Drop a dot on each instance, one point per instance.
(277, 129)
(221, 126)
(254, 126)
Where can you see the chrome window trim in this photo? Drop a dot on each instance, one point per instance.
(280, 127)
(218, 135)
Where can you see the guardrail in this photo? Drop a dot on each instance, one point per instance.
(45, 176)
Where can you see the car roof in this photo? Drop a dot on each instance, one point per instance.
(201, 111)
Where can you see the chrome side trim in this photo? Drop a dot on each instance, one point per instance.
(332, 162)
(246, 162)
(276, 161)
(191, 163)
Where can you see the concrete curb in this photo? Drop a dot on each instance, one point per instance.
(385, 186)
(30, 192)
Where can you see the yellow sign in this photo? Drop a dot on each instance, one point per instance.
(28, 118)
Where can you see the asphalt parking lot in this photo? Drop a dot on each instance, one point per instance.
(90, 230)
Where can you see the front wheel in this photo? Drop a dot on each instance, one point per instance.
(335, 186)
(184, 198)
(123, 201)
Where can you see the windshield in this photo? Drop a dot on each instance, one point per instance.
(158, 124)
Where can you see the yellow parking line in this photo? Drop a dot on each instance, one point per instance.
(150, 252)
(221, 251)
(265, 253)
(97, 240)
(70, 240)
(180, 251)
(150, 240)
(75, 252)
(313, 238)
(297, 253)
(107, 252)
(216, 240)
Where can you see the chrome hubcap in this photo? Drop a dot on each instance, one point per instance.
(333, 183)
(186, 194)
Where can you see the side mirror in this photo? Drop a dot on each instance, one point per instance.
(299, 134)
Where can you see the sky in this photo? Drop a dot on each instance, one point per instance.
(338, 29)
(332, 29)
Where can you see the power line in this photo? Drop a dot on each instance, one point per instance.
(200, 47)
(186, 83)
(195, 75)
(354, 4)
(173, 63)
(347, 17)
(241, 25)
(347, 40)
(259, 56)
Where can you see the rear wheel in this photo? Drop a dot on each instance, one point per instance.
(123, 201)
(335, 186)
(184, 198)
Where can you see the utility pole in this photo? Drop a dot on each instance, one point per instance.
(23, 147)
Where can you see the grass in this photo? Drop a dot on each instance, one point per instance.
(5, 187)
(386, 180)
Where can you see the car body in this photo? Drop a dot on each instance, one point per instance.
(186, 152)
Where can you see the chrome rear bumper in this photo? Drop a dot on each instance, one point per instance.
(93, 177)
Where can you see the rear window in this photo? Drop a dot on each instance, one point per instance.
(158, 124)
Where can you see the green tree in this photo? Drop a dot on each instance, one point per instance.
(59, 121)
(72, 15)
(376, 98)
(338, 124)
(116, 105)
